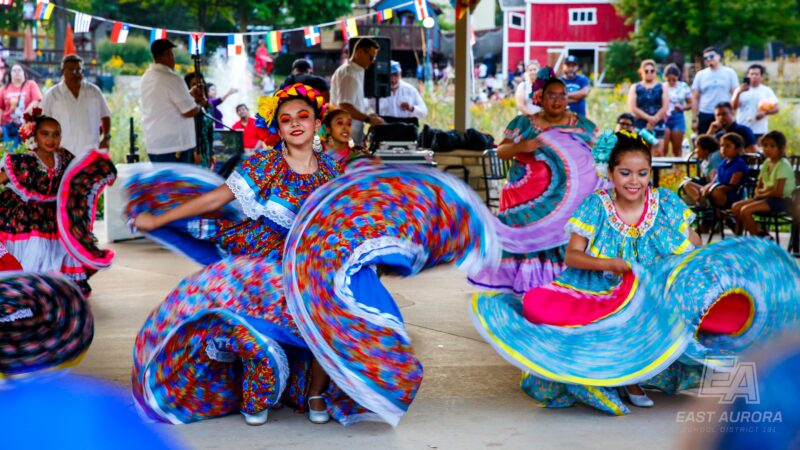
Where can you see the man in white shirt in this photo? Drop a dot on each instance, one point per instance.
(405, 101)
(80, 108)
(168, 108)
(710, 87)
(347, 87)
(754, 101)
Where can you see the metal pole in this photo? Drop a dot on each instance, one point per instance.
(463, 73)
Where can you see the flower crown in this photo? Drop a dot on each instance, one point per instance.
(544, 74)
(29, 123)
(268, 106)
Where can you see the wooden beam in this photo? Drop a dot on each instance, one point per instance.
(463, 72)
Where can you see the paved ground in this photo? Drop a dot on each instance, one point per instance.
(469, 398)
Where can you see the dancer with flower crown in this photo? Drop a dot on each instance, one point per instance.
(638, 304)
(28, 219)
(551, 173)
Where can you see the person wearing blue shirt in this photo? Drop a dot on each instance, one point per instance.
(730, 173)
(577, 86)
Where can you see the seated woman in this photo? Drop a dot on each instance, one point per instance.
(28, 225)
(725, 190)
(776, 182)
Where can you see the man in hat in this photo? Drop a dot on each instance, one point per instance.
(80, 108)
(168, 108)
(405, 101)
(577, 86)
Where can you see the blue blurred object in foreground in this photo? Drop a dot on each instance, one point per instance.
(72, 412)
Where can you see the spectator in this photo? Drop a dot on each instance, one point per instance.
(3, 70)
(725, 123)
(247, 125)
(18, 96)
(577, 86)
(303, 72)
(707, 152)
(517, 76)
(263, 62)
(214, 102)
(437, 73)
(203, 123)
(168, 108)
(680, 99)
(648, 101)
(405, 101)
(80, 108)
(524, 91)
(625, 122)
(710, 87)
(267, 85)
(347, 86)
(724, 191)
(754, 101)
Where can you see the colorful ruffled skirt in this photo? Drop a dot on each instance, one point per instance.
(542, 192)
(658, 327)
(240, 334)
(45, 323)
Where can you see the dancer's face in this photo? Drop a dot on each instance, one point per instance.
(48, 137)
(631, 176)
(554, 99)
(297, 124)
(341, 128)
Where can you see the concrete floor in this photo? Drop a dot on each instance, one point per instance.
(468, 399)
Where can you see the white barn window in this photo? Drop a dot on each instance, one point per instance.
(582, 16)
(516, 21)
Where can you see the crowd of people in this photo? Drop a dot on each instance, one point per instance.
(288, 307)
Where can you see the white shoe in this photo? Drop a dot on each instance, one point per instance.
(642, 401)
(317, 416)
(259, 418)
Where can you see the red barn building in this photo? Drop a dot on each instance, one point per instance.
(548, 30)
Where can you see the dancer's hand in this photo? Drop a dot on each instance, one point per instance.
(145, 222)
(618, 266)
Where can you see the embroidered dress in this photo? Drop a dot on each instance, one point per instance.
(678, 309)
(28, 225)
(542, 191)
(345, 155)
(239, 334)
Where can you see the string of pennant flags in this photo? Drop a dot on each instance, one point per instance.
(273, 39)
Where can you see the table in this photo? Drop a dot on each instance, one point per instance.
(679, 160)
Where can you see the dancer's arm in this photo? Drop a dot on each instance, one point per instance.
(508, 149)
(210, 201)
(577, 258)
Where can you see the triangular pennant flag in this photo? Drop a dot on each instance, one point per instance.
(119, 33)
(83, 23)
(197, 43)
(460, 10)
(235, 44)
(421, 9)
(312, 36)
(69, 42)
(157, 33)
(274, 42)
(349, 29)
(385, 15)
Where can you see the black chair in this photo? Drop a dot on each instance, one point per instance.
(774, 222)
(495, 170)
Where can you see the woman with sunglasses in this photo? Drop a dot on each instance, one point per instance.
(551, 169)
(648, 101)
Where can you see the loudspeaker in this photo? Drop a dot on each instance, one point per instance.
(377, 83)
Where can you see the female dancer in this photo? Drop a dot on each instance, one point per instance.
(270, 185)
(28, 224)
(551, 172)
(625, 310)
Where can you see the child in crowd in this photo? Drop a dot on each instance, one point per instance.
(773, 194)
(336, 133)
(707, 152)
(724, 192)
(625, 122)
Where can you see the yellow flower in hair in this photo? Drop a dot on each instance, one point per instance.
(267, 107)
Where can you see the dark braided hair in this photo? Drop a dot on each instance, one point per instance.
(628, 142)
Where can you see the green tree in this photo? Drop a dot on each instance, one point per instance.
(691, 25)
